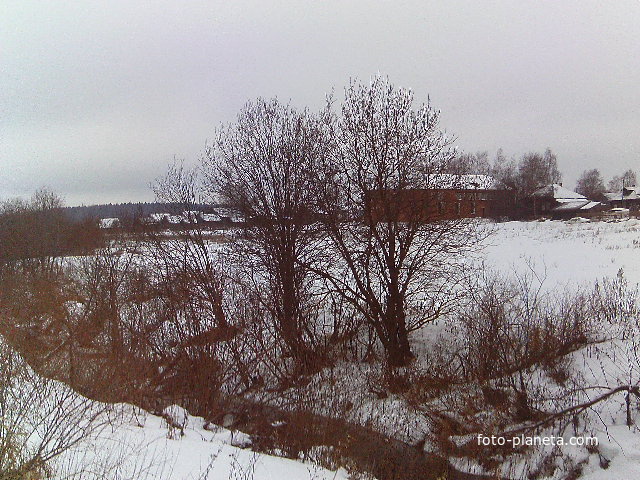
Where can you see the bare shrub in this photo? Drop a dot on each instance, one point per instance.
(36, 234)
(508, 368)
(513, 326)
(615, 301)
(39, 419)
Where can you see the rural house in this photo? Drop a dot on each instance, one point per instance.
(626, 198)
(559, 202)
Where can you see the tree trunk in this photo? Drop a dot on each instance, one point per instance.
(290, 308)
(398, 349)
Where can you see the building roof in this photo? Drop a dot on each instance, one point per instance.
(627, 193)
(211, 217)
(590, 205)
(160, 217)
(558, 193)
(573, 206)
(613, 196)
(109, 222)
(451, 181)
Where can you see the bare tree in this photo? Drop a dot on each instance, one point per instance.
(261, 166)
(189, 255)
(590, 184)
(505, 171)
(470, 163)
(390, 250)
(36, 233)
(535, 170)
(628, 179)
(204, 306)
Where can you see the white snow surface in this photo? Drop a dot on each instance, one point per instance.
(569, 255)
(566, 253)
(140, 445)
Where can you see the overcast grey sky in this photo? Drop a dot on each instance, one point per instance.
(97, 98)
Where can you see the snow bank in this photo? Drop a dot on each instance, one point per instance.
(140, 445)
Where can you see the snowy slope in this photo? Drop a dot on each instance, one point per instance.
(139, 445)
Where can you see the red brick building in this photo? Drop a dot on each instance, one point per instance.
(448, 197)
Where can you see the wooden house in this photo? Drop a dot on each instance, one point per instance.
(628, 198)
(556, 201)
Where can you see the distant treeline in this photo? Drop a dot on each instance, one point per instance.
(35, 233)
(129, 210)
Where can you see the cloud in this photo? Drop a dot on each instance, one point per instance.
(101, 96)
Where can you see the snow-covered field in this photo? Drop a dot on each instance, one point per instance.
(44, 422)
(567, 253)
(564, 254)
(575, 254)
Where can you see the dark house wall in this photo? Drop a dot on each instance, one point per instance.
(439, 204)
(632, 204)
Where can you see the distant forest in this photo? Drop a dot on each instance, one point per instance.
(129, 210)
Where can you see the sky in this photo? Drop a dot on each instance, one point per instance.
(98, 98)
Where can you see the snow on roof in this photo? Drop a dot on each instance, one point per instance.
(589, 205)
(558, 193)
(222, 214)
(462, 182)
(191, 215)
(575, 205)
(613, 196)
(160, 217)
(109, 222)
(231, 214)
(195, 216)
(627, 193)
(211, 217)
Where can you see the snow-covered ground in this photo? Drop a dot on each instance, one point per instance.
(177, 446)
(573, 254)
(44, 420)
(134, 444)
(566, 254)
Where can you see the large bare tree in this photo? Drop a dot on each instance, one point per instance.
(261, 166)
(393, 242)
(628, 179)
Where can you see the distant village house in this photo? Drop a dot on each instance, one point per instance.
(559, 202)
(626, 198)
